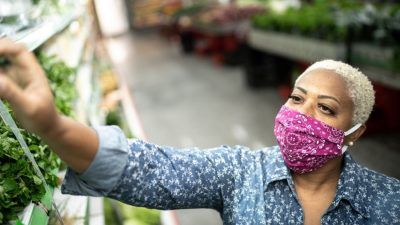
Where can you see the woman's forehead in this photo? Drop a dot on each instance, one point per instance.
(324, 82)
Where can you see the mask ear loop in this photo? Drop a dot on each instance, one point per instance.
(350, 131)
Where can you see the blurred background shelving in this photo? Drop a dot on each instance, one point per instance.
(150, 67)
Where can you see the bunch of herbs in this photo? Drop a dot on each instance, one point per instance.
(19, 185)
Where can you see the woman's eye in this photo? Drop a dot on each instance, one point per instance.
(325, 109)
(295, 99)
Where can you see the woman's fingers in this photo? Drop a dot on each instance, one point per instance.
(17, 54)
(10, 48)
(11, 92)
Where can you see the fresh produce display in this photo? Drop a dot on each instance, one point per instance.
(140, 216)
(62, 82)
(378, 24)
(219, 14)
(314, 20)
(18, 183)
(188, 11)
(222, 14)
(119, 213)
(331, 20)
(151, 13)
(114, 118)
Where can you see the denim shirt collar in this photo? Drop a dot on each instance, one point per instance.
(275, 170)
(350, 185)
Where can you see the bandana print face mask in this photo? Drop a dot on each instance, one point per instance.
(306, 143)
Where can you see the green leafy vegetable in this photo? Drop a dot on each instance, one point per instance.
(19, 185)
(62, 82)
(330, 20)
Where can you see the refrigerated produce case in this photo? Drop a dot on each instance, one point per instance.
(58, 36)
(67, 37)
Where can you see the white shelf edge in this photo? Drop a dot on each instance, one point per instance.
(295, 47)
(168, 217)
(75, 43)
(96, 211)
(81, 44)
(71, 206)
(84, 87)
(27, 214)
(34, 37)
(382, 76)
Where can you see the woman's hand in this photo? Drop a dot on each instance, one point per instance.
(24, 85)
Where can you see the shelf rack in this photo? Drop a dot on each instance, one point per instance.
(374, 61)
(295, 47)
(35, 214)
(37, 35)
(40, 34)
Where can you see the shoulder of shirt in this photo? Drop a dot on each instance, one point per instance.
(378, 184)
(374, 176)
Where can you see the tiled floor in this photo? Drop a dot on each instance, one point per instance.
(186, 100)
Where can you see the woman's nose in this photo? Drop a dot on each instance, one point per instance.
(306, 109)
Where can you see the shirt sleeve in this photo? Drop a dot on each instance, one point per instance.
(168, 178)
(106, 168)
(152, 176)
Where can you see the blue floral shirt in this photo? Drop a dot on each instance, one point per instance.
(245, 186)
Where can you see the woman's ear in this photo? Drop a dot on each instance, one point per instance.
(356, 134)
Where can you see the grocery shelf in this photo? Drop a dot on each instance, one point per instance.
(96, 211)
(295, 47)
(83, 210)
(35, 214)
(84, 88)
(84, 84)
(383, 76)
(220, 29)
(378, 56)
(374, 61)
(70, 46)
(35, 36)
(73, 208)
(377, 63)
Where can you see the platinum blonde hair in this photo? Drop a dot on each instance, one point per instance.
(359, 87)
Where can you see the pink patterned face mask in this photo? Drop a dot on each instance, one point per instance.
(307, 144)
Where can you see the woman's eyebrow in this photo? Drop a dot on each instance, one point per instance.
(319, 96)
(329, 97)
(301, 89)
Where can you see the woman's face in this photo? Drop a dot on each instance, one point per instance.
(323, 95)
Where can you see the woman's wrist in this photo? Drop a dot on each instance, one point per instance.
(54, 128)
(75, 143)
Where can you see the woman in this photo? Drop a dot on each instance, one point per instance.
(308, 179)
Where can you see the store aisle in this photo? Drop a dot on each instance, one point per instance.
(188, 101)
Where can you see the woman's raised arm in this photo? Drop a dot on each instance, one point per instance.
(24, 85)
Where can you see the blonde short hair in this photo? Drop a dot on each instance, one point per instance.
(359, 87)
